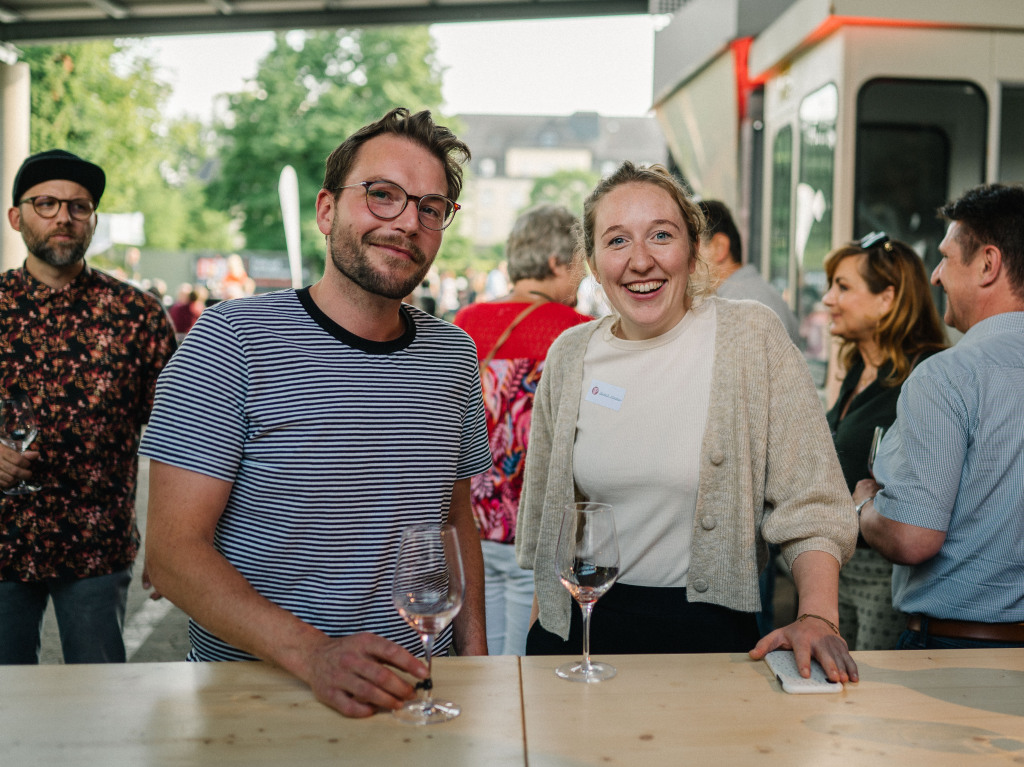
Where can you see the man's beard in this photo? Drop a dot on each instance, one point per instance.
(65, 254)
(352, 260)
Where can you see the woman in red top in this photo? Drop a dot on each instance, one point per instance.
(512, 336)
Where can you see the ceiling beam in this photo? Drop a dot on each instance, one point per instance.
(113, 9)
(27, 32)
(222, 6)
(7, 16)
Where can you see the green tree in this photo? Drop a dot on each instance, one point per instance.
(80, 103)
(457, 253)
(564, 187)
(310, 92)
(102, 100)
(188, 223)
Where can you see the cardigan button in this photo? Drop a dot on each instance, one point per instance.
(700, 585)
(717, 457)
(708, 522)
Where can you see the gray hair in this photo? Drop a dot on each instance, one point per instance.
(539, 233)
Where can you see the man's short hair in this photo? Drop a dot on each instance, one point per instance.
(58, 164)
(539, 233)
(720, 221)
(992, 214)
(421, 128)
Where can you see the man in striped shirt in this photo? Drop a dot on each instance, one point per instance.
(297, 433)
(949, 509)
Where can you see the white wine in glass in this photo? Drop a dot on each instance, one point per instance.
(427, 590)
(17, 430)
(587, 562)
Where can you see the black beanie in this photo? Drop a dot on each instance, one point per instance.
(58, 164)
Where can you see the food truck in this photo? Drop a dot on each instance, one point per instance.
(820, 121)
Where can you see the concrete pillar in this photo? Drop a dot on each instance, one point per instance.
(15, 110)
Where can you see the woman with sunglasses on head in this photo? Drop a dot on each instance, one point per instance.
(882, 310)
(696, 418)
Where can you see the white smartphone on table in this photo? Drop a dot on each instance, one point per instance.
(783, 665)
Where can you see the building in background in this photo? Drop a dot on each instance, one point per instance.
(511, 152)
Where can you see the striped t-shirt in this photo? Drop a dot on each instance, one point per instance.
(333, 444)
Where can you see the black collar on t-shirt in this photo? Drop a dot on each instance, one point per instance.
(351, 339)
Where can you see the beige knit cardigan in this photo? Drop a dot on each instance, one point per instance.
(769, 472)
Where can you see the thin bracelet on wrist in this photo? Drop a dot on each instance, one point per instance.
(862, 504)
(827, 622)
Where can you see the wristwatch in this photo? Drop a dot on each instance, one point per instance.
(860, 505)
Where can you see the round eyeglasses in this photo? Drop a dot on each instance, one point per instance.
(386, 200)
(48, 207)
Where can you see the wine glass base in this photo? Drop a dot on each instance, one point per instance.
(427, 712)
(22, 489)
(578, 672)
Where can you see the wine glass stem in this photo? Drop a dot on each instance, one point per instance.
(586, 608)
(426, 686)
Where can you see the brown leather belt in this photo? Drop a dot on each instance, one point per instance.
(981, 632)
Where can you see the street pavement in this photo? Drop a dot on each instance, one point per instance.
(154, 630)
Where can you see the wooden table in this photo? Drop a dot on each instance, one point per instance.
(934, 708)
(243, 714)
(910, 708)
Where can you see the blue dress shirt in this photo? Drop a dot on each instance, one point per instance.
(954, 461)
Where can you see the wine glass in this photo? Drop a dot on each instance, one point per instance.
(587, 562)
(427, 591)
(876, 440)
(17, 430)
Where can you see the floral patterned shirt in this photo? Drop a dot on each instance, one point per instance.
(88, 355)
(509, 383)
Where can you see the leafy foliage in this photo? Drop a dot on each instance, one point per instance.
(196, 184)
(311, 91)
(565, 187)
(102, 100)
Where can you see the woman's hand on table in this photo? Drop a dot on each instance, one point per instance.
(352, 675)
(809, 637)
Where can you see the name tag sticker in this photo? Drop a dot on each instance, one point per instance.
(605, 394)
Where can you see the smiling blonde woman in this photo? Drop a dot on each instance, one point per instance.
(709, 442)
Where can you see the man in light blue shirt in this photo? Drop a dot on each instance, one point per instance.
(949, 509)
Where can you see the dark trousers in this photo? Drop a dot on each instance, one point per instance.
(642, 620)
(90, 618)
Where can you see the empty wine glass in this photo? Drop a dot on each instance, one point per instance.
(17, 430)
(587, 562)
(427, 591)
(876, 440)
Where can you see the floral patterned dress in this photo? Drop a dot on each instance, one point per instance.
(509, 384)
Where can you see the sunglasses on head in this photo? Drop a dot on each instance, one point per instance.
(875, 240)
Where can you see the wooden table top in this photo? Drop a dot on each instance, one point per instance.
(910, 708)
(934, 708)
(243, 714)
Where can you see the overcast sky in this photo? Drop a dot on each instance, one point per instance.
(526, 67)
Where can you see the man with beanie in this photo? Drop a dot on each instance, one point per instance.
(86, 349)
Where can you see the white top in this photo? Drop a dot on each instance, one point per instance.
(642, 416)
